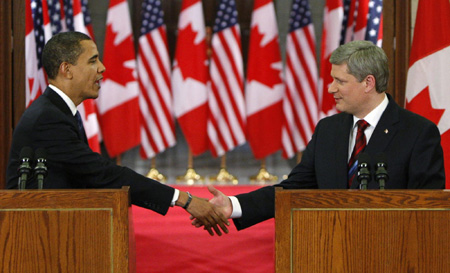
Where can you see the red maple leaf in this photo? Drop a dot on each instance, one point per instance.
(261, 60)
(191, 57)
(421, 104)
(115, 57)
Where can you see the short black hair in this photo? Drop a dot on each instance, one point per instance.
(63, 47)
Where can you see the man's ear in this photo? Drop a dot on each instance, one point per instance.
(370, 82)
(65, 70)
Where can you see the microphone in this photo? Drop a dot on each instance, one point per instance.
(381, 175)
(41, 169)
(363, 170)
(26, 156)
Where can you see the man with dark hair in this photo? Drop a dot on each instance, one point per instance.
(371, 122)
(74, 71)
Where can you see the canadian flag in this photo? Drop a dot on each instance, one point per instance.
(265, 89)
(190, 76)
(87, 108)
(427, 85)
(331, 35)
(118, 103)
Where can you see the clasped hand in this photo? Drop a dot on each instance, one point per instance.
(221, 205)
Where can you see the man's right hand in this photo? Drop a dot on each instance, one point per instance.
(221, 202)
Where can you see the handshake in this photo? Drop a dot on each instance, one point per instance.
(210, 214)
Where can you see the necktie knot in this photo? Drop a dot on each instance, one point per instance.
(362, 125)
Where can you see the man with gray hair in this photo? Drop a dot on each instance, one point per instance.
(371, 122)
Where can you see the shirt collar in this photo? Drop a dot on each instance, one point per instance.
(374, 116)
(66, 99)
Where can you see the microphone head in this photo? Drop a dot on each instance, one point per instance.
(363, 159)
(380, 160)
(26, 153)
(40, 154)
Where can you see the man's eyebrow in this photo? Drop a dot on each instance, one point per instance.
(94, 57)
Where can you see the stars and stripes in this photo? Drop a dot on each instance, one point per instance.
(226, 122)
(155, 98)
(300, 101)
(374, 22)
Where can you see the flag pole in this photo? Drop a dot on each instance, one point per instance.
(154, 174)
(224, 177)
(190, 177)
(263, 176)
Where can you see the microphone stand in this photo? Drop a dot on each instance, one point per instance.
(381, 175)
(363, 175)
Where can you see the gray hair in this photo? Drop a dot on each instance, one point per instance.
(363, 58)
(63, 47)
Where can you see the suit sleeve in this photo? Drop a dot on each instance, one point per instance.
(259, 205)
(426, 167)
(72, 161)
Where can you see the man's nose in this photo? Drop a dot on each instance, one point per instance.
(332, 87)
(101, 68)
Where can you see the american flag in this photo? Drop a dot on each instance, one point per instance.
(87, 17)
(374, 32)
(34, 42)
(54, 10)
(68, 12)
(300, 102)
(226, 124)
(362, 20)
(155, 98)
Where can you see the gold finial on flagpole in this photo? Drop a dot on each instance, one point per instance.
(154, 174)
(190, 177)
(263, 177)
(224, 177)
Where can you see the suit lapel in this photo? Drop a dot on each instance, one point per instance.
(61, 105)
(385, 130)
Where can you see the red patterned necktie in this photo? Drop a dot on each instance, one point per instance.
(360, 144)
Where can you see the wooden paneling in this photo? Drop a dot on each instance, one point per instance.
(5, 85)
(362, 231)
(66, 231)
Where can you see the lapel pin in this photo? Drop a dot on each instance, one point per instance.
(386, 131)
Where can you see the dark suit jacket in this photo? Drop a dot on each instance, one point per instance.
(48, 123)
(410, 142)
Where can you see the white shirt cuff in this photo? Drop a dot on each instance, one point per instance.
(237, 211)
(176, 194)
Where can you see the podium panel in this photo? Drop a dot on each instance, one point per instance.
(66, 231)
(362, 231)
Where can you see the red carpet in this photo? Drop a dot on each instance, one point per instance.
(170, 244)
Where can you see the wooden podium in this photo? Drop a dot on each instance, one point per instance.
(66, 231)
(362, 231)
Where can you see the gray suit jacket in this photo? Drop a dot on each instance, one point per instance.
(410, 143)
